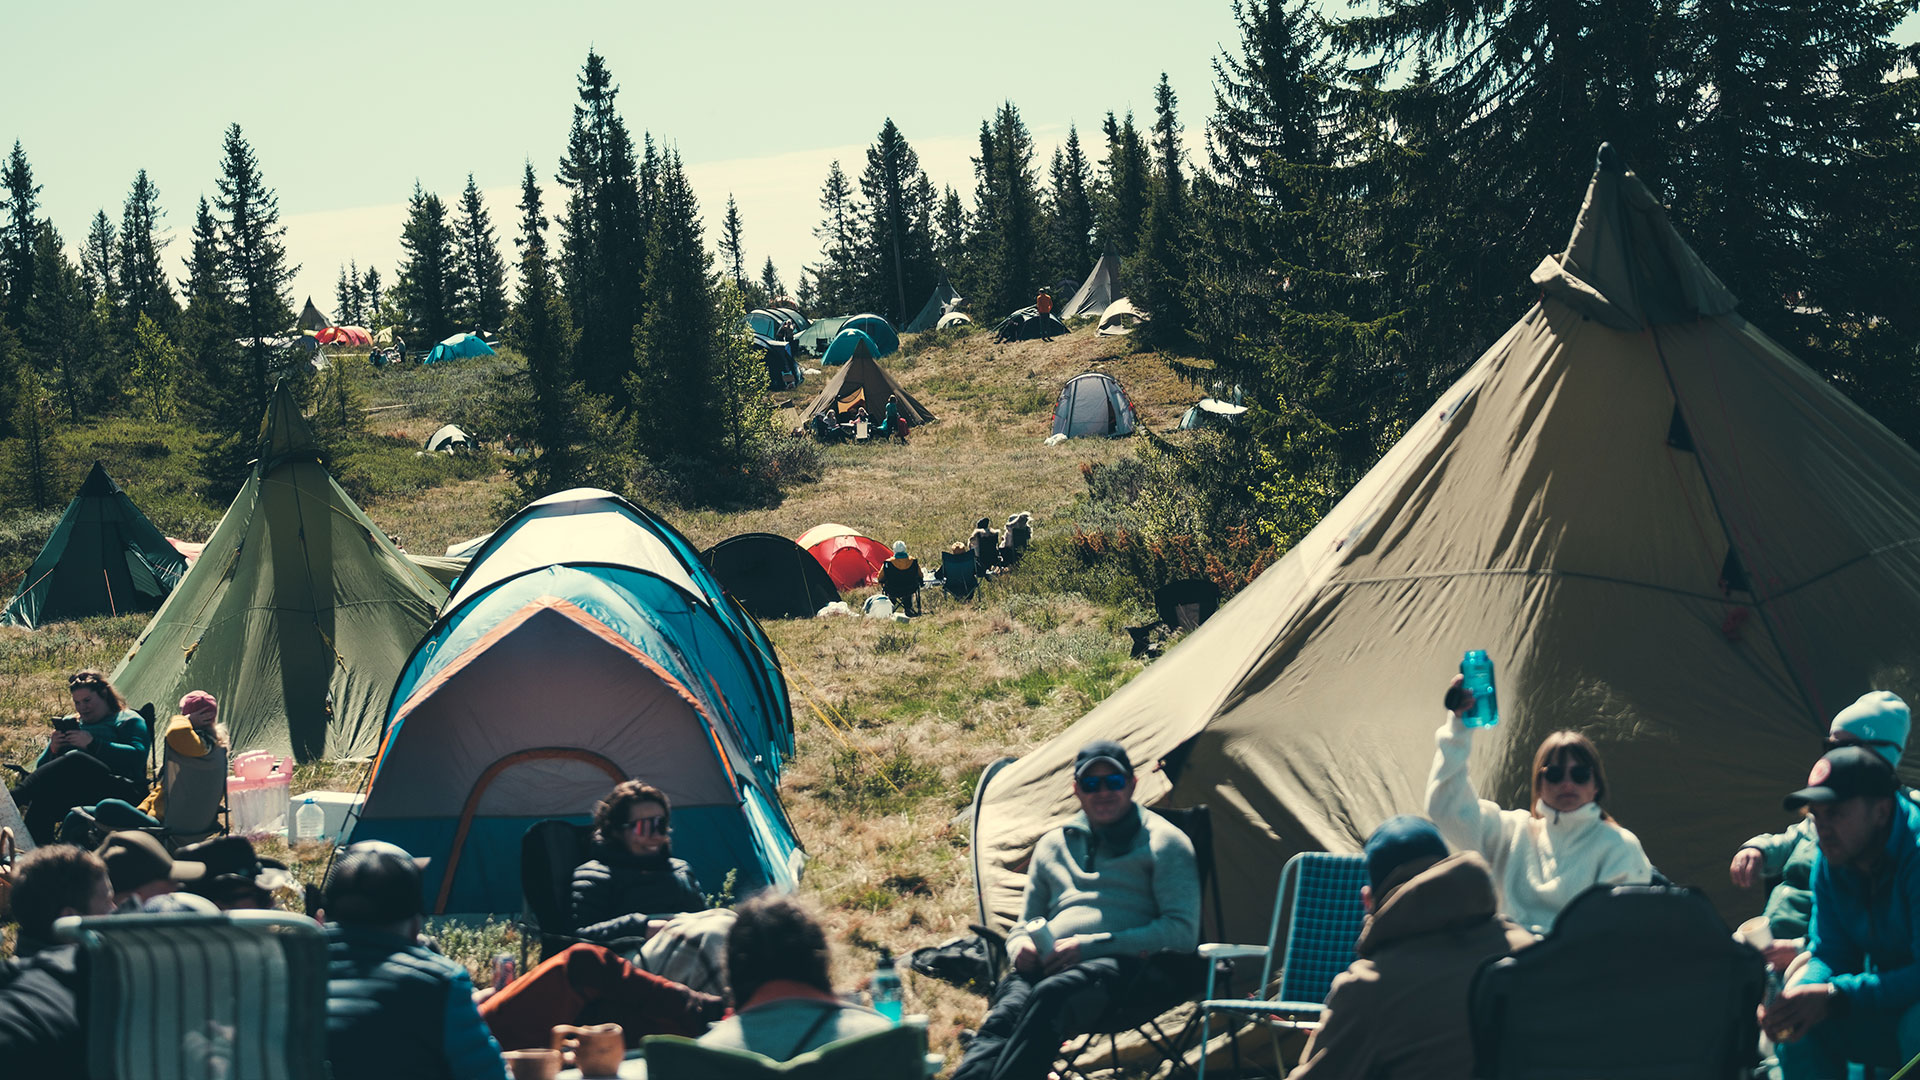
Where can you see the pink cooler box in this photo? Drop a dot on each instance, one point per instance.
(257, 793)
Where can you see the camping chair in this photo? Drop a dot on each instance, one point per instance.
(1633, 980)
(549, 852)
(1132, 1017)
(1323, 925)
(897, 1053)
(861, 432)
(959, 574)
(237, 996)
(1185, 604)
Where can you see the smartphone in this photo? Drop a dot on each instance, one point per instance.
(66, 723)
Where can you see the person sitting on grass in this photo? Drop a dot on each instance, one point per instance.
(1857, 999)
(777, 964)
(901, 580)
(1119, 893)
(43, 988)
(1400, 1010)
(97, 752)
(395, 1007)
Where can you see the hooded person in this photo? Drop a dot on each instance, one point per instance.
(1879, 721)
(1400, 1010)
(901, 579)
(985, 543)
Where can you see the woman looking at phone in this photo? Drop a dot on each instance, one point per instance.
(1544, 856)
(96, 752)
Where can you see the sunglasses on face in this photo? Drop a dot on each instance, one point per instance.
(1579, 774)
(1109, 782)
(648, 826)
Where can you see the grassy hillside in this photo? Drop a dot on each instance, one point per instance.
(894, 721)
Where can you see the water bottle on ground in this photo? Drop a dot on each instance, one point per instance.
(309, 821)
(1477, 670)
(886, 988)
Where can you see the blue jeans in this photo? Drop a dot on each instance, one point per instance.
(1864, 1036)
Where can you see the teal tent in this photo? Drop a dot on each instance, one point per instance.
(819, 332)
(459, 347)
(104, 558)
(845, 344)
(885, 340)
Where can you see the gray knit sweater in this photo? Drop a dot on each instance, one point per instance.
(1128, 890)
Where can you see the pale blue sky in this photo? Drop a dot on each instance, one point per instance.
(348, 103)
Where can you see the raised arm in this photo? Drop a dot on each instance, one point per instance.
(1465, 820)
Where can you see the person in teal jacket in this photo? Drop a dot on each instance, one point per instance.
(1857, 1000)
(97, 752)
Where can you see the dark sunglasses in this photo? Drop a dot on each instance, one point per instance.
(1556, 773)
(1833, 744)
(649, 826)
(1109, 782)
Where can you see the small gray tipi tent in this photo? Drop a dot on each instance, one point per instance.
(939, 303)
(311, 318)
(1101, 288)
(1667, 532)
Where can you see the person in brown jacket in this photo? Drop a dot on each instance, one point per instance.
(1401, 1010)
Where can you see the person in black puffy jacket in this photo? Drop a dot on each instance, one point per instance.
(633, 874)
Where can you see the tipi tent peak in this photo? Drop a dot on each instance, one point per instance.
(1101, 288)
(312, 318)
(103, 558)
(1629, 501)
(941, 301)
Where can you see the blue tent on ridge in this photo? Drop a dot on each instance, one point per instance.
(585, 644)
(877, 328)
(845, 345)
(459, 347)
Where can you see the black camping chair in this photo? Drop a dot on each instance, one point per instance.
(1185, 604)
(959, 574)
(549, 852)
(1634, 980)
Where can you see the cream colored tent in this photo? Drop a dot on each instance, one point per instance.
(1667, 531)
(1101, 288)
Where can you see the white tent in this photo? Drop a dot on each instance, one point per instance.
(1121, 317)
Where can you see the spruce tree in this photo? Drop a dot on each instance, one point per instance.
(676, 371)
(950, 235)
(896, 263)
(540, 400)
(733, 255)
(343, 297)
(97, 261)
(1070, 229)
(61, 330)
(429, 282)
(19, 234)
(255, 259)
(770, 282)
(836, 279)
(482, 285)
(1160, 272)
(143, 276)
(1007, 218)
(370, 284)
(33, 457)
(356, 294)
(1126, 173)
(603, 232)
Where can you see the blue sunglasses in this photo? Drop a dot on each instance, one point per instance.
(1110, 782)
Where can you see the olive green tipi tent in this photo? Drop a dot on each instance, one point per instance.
(1666, 531)
(297, 616)
(104, 558)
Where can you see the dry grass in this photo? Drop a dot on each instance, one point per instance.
(894, 722)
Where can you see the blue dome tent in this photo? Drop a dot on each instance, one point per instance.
(585, 644)
(845, 345)
(459, 347)
(885, 340)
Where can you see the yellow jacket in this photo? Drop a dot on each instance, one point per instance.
(182, 739)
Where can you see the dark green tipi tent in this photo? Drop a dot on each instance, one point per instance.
(297, 616)
(104, 558)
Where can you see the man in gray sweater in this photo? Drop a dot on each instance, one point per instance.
(1112, 917)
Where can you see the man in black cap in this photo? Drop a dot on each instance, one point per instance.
(1858, 998)
(141, 869)
(235, 877)
(1112, 913)
(1400, 1011)
(395, 1008)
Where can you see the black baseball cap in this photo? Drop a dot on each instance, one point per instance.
(374, 882)
(1843, 774)
(1102, 750)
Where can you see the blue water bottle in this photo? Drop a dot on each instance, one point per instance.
(1477, 671)
(885, 988)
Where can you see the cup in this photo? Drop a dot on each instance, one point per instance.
(532, 1064)
(595, 1051)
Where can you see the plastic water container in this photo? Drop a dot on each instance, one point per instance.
(257, 793)
(309, 822)
(1476, 668)
(886, 988)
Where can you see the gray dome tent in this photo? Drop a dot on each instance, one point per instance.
(1093, 404)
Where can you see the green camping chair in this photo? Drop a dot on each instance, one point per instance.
(898, 1053)
(239, 996)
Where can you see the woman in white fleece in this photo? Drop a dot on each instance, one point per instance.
(1545, 856)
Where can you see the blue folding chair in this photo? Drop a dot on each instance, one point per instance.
(1320, 894)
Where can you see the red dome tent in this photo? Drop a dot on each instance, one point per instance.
(851, 560)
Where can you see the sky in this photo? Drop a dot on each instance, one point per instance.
(348, 104)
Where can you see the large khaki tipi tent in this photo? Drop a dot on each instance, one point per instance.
(1101, 288)
(298, 615)
(864, 374)
(1667, 532)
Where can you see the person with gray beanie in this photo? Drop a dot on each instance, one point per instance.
(1879, 721)
(1400, 1010)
